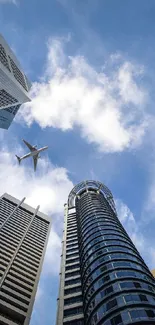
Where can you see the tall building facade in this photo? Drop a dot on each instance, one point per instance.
(24, 233)
(14, 85)
(103, 278)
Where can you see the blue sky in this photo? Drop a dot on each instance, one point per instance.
(92, 66)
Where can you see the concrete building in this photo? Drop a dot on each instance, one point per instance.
(103, 278)
(14, 85)
(24, 233)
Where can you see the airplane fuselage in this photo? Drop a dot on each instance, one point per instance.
(33, 153)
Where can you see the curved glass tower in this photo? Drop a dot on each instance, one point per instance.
(104, 280)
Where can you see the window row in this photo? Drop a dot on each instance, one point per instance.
(71, 249)
(74, 322)
(127, 317)
(95, 251)
(103, 227)
(71, 241)
(18, 74)
(71, 228)
(12, 229)
(100, 238)
(73, 260)
(72, 300)
(72, 267)
(28, 257)
(74, 290)
(118, 287)
(118, 275)
(13, 301)
(18, 283)
(71, 274)
(71, 244)
(92, 211)
(29, 253)
(72, 281)
(21, 294)
(3, 57)
(97, 220)
(71, 219)
(70, 255)
(73, 311)
(121, 274)
(111, 266)
(100, 223)
(104, 252)
(103, 232)
(71, 237)
(134, 315)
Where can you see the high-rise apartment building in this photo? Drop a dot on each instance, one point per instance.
(14, 85)
(24, 233)
(103, 278)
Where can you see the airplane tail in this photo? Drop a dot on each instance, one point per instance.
(19, 159)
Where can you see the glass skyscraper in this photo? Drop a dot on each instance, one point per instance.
(24, 233)
(103, 278)
(14, 85)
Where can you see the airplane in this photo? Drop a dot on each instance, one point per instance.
(34, 153)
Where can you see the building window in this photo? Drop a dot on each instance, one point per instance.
(143, 298)
(72, 261)
(3, 57)
(71, 249)
(150, 313)
(18, 74)
(72, 290)
(72, 267)
(137, 284)
(116, 320)
(71, 282)
(72, 311)
(76, 254)
(12, 109)
(108, 290)
(125, 285)
(75, 322)
(71, 237)
(122, 264)
(72, 300)
(72, 243)
(6, 98)
(131, 298)
(111, 304)
(70, 274)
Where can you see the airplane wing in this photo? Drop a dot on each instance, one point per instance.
(35, 159)
(31, 148)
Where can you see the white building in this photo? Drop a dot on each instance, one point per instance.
(14, 85)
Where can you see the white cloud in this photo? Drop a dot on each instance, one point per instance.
(107, 106)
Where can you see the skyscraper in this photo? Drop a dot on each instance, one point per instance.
(14, 85)
(24, 233)
(103, 278)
